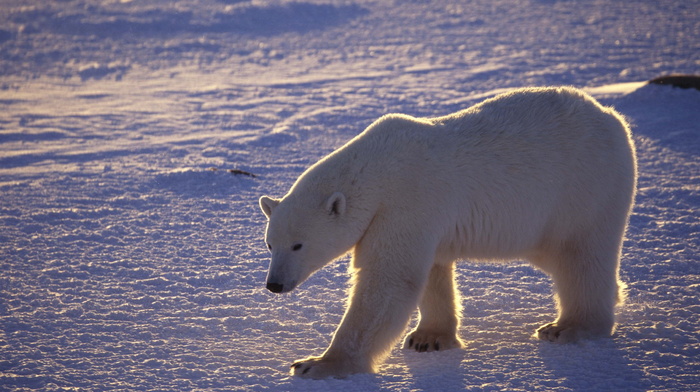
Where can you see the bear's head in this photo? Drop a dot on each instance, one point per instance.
(304, 235)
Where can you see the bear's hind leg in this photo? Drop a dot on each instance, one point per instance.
(587, 289)
(439, 313)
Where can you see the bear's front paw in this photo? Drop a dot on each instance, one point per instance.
(423, 341)
(319, 367)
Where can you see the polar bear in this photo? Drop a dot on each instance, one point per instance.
(542, 174)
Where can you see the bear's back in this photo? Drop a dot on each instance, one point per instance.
(537, 112)
(535, 151)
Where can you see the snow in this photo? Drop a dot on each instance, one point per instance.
(131, 257)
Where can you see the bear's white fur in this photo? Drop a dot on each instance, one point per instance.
(542, 174)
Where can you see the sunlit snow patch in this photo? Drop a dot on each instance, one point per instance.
(614, 90)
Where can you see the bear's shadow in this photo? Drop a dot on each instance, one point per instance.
(597, 364)
(435, 369)
(589, 365)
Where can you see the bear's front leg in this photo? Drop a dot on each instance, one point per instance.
(439, 313)
(382, 299)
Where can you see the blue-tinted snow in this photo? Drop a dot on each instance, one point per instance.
(132, 258)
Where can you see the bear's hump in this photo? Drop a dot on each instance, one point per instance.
(395, 122)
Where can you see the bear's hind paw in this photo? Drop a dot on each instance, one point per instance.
(569, 333)
(318, 368)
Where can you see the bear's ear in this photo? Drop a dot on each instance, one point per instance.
(268, 204)
(335, 205)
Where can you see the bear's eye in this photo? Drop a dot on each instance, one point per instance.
(296, 247)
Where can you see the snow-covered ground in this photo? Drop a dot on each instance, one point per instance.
(131, 257)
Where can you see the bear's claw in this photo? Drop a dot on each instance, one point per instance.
(302, 368)
(421, 348)
(558, 333)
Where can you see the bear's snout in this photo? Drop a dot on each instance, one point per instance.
(275, 287)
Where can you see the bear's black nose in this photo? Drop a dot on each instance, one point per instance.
(275, 287)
